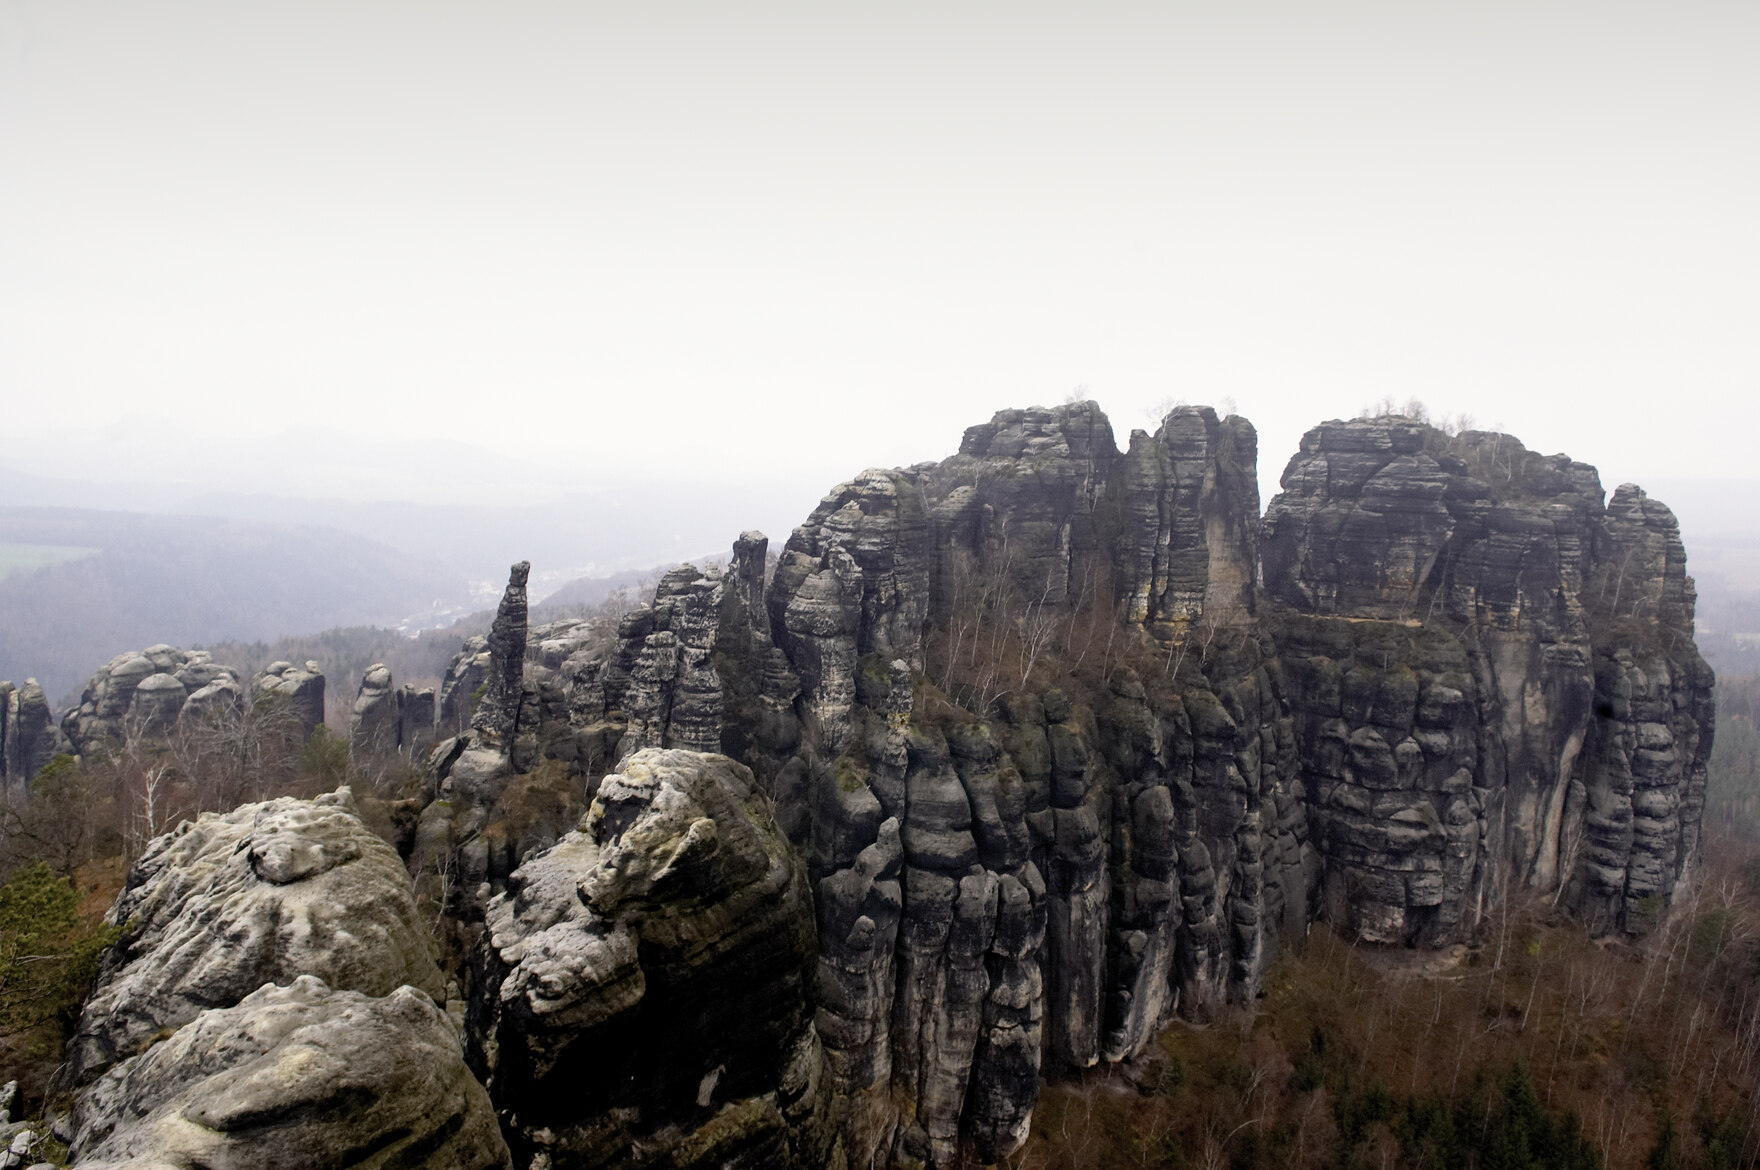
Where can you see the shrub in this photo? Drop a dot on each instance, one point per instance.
(48, 957)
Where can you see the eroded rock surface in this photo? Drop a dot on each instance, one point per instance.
(1071, 742)
(29, 738)
(146, 692)
(642, 988)
(1498, 684)
(296, 1077)
(263, 894)
(300, 687)
(374, 724)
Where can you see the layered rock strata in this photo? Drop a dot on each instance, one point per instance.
(1071, 742)
(1500, 690)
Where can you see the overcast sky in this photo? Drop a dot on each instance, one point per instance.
(744, 239)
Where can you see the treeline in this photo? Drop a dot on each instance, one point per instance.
(346, 652)
(1538, 1047)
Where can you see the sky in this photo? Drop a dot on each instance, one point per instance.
(339, 247)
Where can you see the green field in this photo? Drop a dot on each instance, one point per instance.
(22, 558)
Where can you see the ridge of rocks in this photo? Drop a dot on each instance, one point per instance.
(1016, 756)
(1439, 670)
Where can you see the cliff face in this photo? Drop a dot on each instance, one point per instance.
(1070, 741)
(1499, 689)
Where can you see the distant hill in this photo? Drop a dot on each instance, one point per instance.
(132, 579)
(590, 529)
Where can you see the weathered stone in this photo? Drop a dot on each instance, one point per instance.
(30, 738)
(266, 892)
(1138, 772)
(675, 930)
(1510, 599)
(464, 675)
(301, 688)
(374, 725)
(497, 714)
(299, 1076)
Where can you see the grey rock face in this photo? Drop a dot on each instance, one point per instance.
(146, 693)
(1191, 507)
(266, 893)
(673, 695)
(1533, 683)
(299, 1076)
(302, 688)
(498, 712)
(474, 766)
(1061, 766)
(467, 671)
(853, 580)
(29, 738)
(375, 725)
(675, 930)
(415, 719)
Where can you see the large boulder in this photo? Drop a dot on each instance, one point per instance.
(300, 1077)
(644, 984)
(265, 893)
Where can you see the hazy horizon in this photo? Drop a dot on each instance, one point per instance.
(783, 243)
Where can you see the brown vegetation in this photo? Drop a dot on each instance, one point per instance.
(65, 851)
(1536, 1046)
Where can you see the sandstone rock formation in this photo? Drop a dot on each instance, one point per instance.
(1070, 741)
(387, 719)
(301, 688)
(473, 766)
(1498, 683)
(299, 1077)
(265, 893)
(374, 724)
(468, 669)
(497, 715)
(642, 993)
(272, 1004)
(29, 738)
(146, 693)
